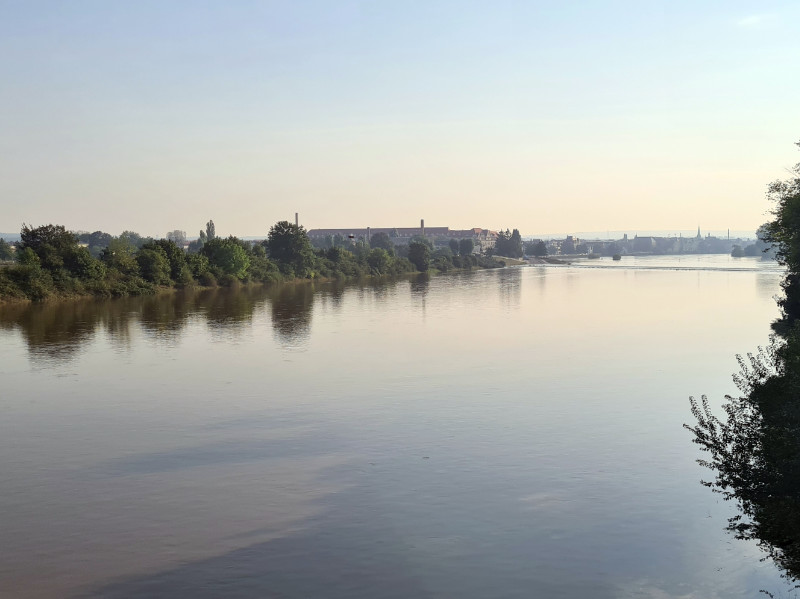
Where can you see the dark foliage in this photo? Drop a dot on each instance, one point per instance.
(754, 450)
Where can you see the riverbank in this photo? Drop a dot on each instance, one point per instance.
(538, 261)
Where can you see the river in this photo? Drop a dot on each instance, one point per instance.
(506, 433)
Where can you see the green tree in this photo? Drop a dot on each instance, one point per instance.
(379, 261)
(29, 277)
(539, 249)
(198, 264)
(419, 255)
(5, 250)
(58, 250)
(120, 255)
(175, 255)
(134, 238)
(154, 265)
(784, 232)
(508, 244)
(515, 246)
(453, 244)
(381, 240)
(50, 242)
(465, 246)
(211, 231)
(96, 241)
(423, 240)
(228, 255)
(754, 452)
(288, 245)
(737, 251)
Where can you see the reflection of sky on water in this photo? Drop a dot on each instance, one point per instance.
(523, 434)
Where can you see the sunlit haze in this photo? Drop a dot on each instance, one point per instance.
(547, 117)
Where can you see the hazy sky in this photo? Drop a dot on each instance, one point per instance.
(545, 116)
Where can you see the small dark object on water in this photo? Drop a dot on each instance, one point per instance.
(617, 257)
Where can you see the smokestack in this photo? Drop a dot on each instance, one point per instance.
(422, 226)
(296, 219)
(367, 234)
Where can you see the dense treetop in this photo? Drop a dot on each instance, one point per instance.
(51, 261)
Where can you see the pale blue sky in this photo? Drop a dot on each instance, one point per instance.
(548, 117)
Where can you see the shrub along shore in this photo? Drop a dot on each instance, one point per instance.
(51, 263)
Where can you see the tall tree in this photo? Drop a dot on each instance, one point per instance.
(381, 240)
(288, 245)
(538, 249)
(134, 238)
(420, 255)
(515, 247)
(174, 254)
(228, 255)
(5, 250)
(58, 249)
(465, 246)
(784, 232)
(423, 240)
(211, 231)
(508, 244)
(154, 265)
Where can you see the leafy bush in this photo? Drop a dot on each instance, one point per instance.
(154, 265)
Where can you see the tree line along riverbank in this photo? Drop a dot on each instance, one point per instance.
(50, 262)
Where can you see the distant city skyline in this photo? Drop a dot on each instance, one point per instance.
(613, 234)
(540, 116)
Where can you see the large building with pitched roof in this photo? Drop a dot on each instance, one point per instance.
(482, 238)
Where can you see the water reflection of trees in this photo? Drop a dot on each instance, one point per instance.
(755, 452)
(420, 285)
(510, 286)
(56, 331)
(291, 312)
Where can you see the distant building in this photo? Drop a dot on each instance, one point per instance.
(483, 239)
(644, 244)
(179, 237)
